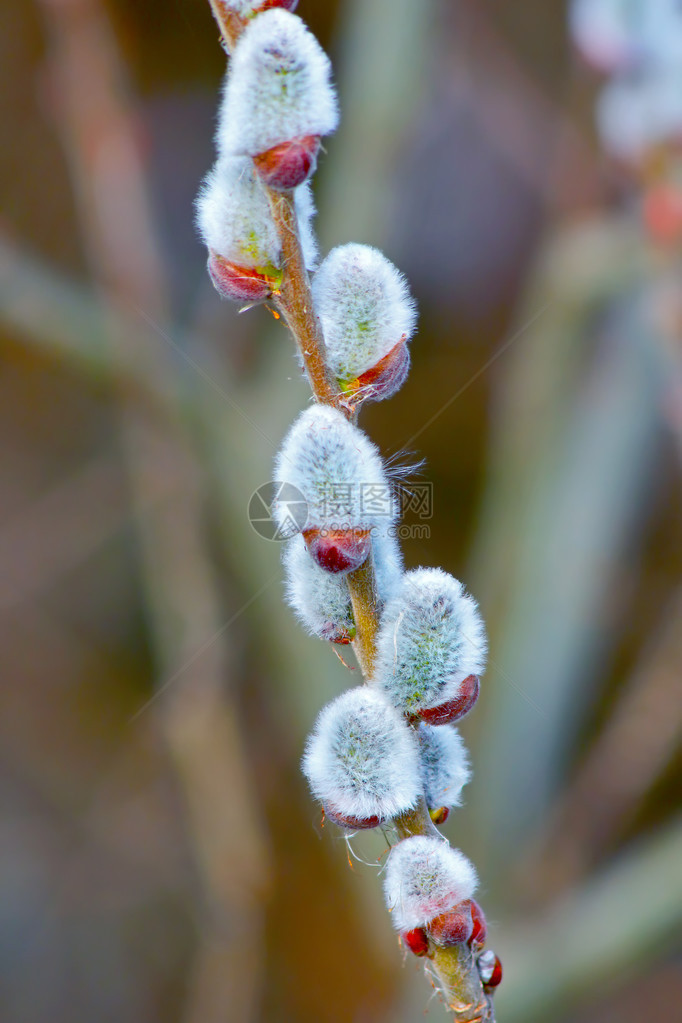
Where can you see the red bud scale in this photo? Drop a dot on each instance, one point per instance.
(452, 928)
(289, 164)
(453, 710)
(416, 940)
(241, 283)
(338, 550)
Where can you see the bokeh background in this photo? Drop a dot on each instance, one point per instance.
(161, 859)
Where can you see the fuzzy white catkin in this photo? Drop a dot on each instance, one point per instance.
(388, 560)
(305, 211)
(277, 89)
(361, 759)
(424, 878)
(320, 599)
(234, 217)
(641, 111)
(444, 765)
(430, 639)
(339, 472)
(364, 306)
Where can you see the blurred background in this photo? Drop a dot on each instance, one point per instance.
(160, 857)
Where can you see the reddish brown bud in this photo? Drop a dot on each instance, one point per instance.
(383, 379)
(454, 709)
(490, 969)
(440, 814)
(350, 822)
(453, 927)
(289, 164)
(417, 941)
(338, 550)
(241, 283)
(480, 931)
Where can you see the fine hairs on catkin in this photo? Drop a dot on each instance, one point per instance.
(361, 760)
(424, 878)
(325, 456)
(321, 600)
(430, 640)
(278, 87)
(366, 312)
(235, 219)
(444, 765)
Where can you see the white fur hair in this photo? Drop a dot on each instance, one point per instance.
(361, 758)
(320, 599)
(388, 560)
(364, 306)
(277, 88)
(339, 472)
(424, 878)
(430, 639)
(235, 221)
(444, 765)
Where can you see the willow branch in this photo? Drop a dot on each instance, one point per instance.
(295, 302)
(362, 585)
(455, 967)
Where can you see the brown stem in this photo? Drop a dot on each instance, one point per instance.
(455, 967)
(296, 304)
